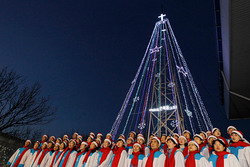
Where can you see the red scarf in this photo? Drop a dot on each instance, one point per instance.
(21, 156)
(190, 162)
(117, 156)
(170, 161)
(150, 159)
(210, 149)
(201, 146)
(239, 144)
(51, 165)
(134, 161)
(87, 156)
(220, 159)
(67, 157)
(44, 152)
(143, 149)
(105, 153)
(38, 152)
(129, 145)
(185, 151)
(165, 147)
(61, 156)
(77, 155)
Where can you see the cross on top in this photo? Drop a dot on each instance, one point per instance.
(161, 16)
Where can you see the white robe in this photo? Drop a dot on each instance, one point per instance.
(179, 159)
(92, 160)
(51, 159)
(79, 160)
(45, 162)
(140, 160)
(58, 158)
(123, 158)
(129, 150)
(159, 159)
(205, 152)
(35, 160)
(16, 155)
(200, 161)
(243, 155)
(107, 161)
(146, 151)
(70, 161)
(229, 160)
(30, 158)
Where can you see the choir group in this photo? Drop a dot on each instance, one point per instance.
(206, 149)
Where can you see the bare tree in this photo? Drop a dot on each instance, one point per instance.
(21, 105)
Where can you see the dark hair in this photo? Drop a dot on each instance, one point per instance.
(177, 145)
(221, 142)
(122, 141)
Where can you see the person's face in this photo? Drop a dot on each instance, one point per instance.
(65, 137)
(44, 138)
(197, 140)
(163, 139)
(136, 148)
(27, 143)
(151, 137)
(108, 137)
(51, 138)
(217, 133)
(210, 141)
(92, 146)
(56, 147)
(74, 136)
(154, 144)
(132, 135)
(44, 146)
(50, 145)
(71, 144)
(171, 144)
(36, 145)
(82, 147)
(202, 135)
(218, 146)
(235, 138)
(140, 141)
(187, 135)
(129, 141)
(61, 146)
(209, 133)
(106, 144)
(58, 141)
(176, 137)
(119, 144)
(89, 139)
(192, 147)
(78, 141)
(182, 141)
(230, 131)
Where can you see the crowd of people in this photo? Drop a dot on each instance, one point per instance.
(206, 149)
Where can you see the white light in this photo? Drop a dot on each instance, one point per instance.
(163, 108)
(161, 17)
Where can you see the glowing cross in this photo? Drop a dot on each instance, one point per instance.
(161, 17)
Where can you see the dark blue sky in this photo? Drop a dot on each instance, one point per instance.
(86, 53)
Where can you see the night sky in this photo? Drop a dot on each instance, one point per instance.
(85, 54)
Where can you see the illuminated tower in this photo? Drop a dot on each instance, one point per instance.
(163, 98)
